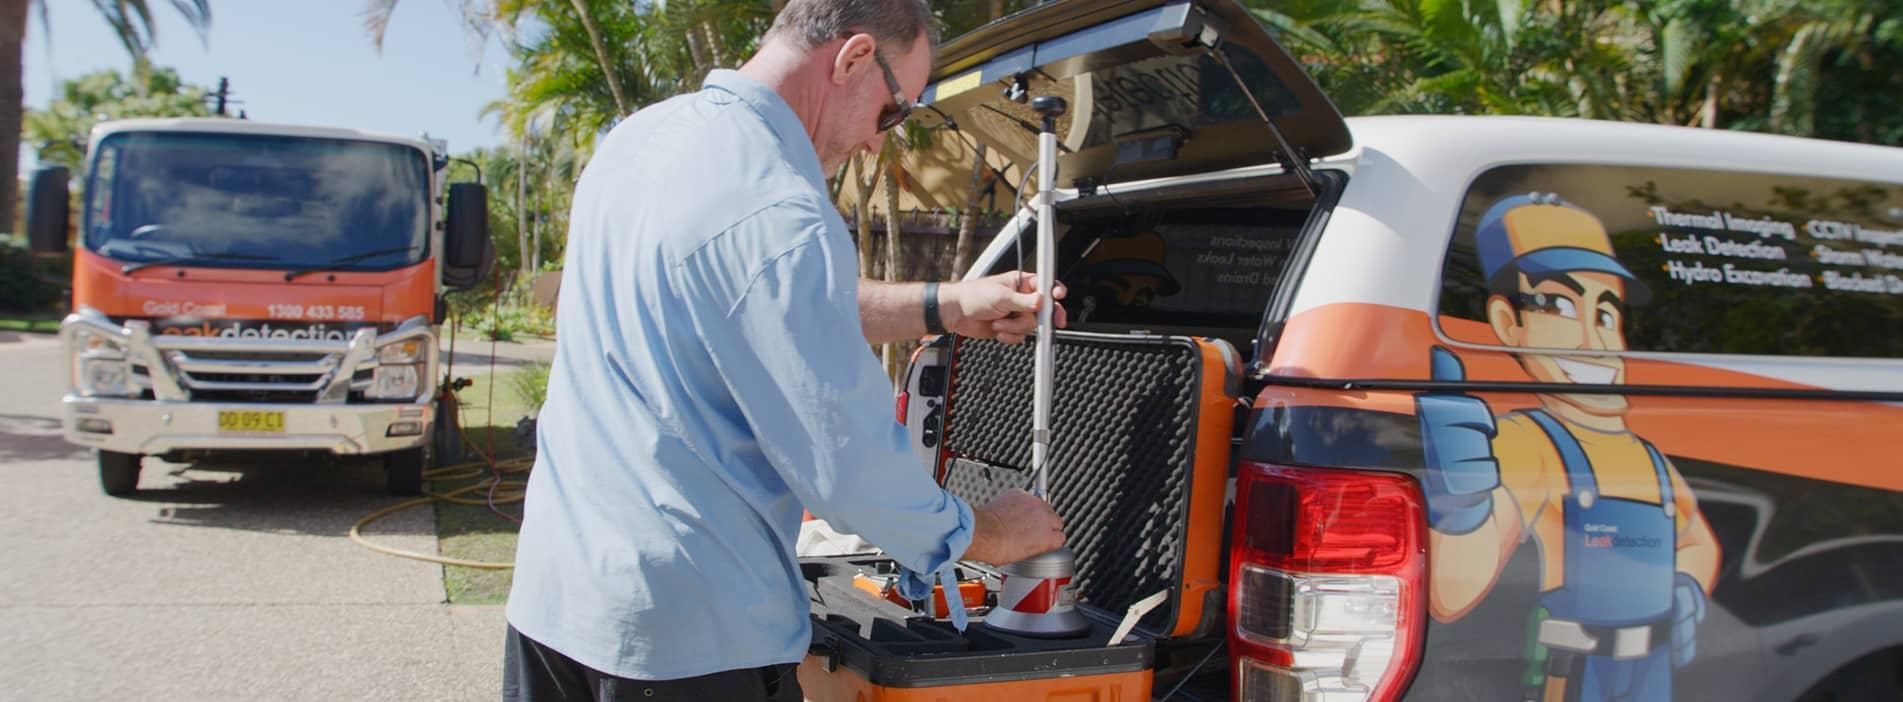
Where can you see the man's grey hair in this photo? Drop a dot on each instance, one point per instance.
(897, 23)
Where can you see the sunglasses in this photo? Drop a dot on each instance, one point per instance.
(901, 108)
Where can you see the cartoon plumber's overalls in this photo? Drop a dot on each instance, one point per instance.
(1608, 629)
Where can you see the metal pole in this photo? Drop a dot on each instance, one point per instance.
(1036, 596)
(1051, 108)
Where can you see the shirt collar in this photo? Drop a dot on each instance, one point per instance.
(779, 116)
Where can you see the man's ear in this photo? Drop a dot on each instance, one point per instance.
(854, 55)
(1505, 322)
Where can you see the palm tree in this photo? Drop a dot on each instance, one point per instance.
(585, 15)
(12, 34)
(131, 21)
(712, 33)
(958, 19)
(559, 80)
(894, 242)
(1818, 31)
(481, 18)
(478, 19)
(1669, 62)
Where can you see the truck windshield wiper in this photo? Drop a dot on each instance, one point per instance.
(214, 256)
(347, 260)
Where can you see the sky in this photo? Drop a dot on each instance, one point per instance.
(298, 61)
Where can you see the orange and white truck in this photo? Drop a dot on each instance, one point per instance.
(249, 287)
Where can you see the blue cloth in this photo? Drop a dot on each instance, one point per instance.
(711, 379)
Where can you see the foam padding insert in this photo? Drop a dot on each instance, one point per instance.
(1122, 449)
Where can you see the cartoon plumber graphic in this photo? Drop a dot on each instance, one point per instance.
(1124, 272)
(1626, 559)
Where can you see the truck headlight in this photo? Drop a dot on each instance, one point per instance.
(100, 368)
(399, 369)
(406, 351)
(393, 383)
(92, 344)
(104, 377)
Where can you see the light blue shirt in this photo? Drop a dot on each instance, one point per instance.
(711, 379)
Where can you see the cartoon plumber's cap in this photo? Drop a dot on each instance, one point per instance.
(1135, 254)
(1539, 233)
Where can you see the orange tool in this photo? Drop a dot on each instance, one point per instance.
(971, 590)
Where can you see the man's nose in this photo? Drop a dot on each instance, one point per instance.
(1595, 338)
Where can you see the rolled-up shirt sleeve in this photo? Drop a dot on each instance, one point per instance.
(790, 346)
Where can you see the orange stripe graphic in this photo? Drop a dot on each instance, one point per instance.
(1851, 442)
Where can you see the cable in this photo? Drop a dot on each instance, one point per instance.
(962, 136)
(494, 494)
(1191, 673)
(494, 497)
(1017, 202)
(1106, 187)
(495, 311)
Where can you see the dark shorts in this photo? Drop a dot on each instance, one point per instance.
(532, 672)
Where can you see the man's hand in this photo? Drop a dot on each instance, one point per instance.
(1688, 609)
(1002, 307)
(1457, 432)
(1014, 526)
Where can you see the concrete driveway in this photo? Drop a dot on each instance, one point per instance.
(213, 583)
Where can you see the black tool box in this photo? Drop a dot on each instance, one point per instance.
(869, 647)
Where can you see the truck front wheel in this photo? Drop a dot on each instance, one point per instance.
(119, 472)
(403, 472)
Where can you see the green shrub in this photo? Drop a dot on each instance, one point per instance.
(510, 320)
(514, 314)
(530, 384)
(24, 277)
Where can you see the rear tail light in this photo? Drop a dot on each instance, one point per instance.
(1326, 584)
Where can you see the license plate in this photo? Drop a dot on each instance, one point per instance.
(251, 421)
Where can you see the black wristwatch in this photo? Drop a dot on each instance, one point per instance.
(933, 325)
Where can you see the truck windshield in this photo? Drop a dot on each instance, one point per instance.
(251, 201)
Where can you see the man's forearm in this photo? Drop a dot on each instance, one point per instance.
(896, 311)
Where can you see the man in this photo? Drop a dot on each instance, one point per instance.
(1626, 559)
(712, 378)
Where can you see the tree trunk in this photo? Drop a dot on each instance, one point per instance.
(1708, 114)
(703, 58)
(12, 99)
(862, 211)
(838, 182)
(522, 209)
(894, 250)
(535, 248)
(894, 263)
(1799, 71)
(968, 224)
(544, 222)
(601, 56)
(713, 47)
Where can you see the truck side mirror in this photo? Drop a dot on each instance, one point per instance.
(47, 209)
(468, 254)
